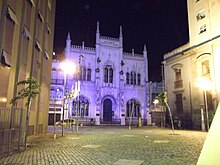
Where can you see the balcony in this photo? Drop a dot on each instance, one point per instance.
(178, 84)
(57, 81)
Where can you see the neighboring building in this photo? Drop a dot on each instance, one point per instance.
(112, 83)
(189, 65)
(26, 44)
(158, 112)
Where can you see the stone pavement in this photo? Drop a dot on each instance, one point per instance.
(105, 145)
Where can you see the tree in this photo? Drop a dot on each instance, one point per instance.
(162, 97)
(29, 92)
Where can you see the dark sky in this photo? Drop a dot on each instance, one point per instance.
(160, 24)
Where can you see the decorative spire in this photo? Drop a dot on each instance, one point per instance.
(68, 36)
(120, 31)
(97, 33)
(97, 28)
(83, 45)
(145, 49)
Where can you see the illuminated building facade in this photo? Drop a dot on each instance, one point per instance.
(113, 83)
(187, 65)
(26, 44)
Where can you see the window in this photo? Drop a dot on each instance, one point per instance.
(40, 16)
(28, 13)
(133, 108)
(178, 74)
(139, 79)
(26, 33)
(108, 74)
(80, 107)
(54, 73)
(8, 32)
(200, 15)
(133, 78)
(202, 29)
(88, 74)
(11, 15)
(178, 82)
(205, 68)
(82, 73)
(127, 78)
(5, 59)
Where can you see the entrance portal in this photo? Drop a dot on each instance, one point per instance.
(107, 111)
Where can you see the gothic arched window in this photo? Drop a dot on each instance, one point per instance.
(132, 78)
(108, 74)
(134, 74)
(81, 106)
(53, 74)
(139, 79)
(88, 74)
(127, 78)
(133, 108)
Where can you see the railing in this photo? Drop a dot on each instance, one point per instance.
(178, 84)
(57, 81)
(12, 128)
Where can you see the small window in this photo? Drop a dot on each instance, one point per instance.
(202, 29)
(200, 15)
(110, 75)
(48, 29)
(178, 74)
(106, 75)
(31, 2)
(84, 73)
(46, 55)
(26, 33)
(6, 59)
(134, 78)
(37, 45)
(139, 79)
(88, 74)
(11, 15)
(127, 78)
(40, 16)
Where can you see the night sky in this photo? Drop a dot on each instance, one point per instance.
(160, 24)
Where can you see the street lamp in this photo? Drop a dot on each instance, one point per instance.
(54, 119)
(205, 84)
(156, 101)
(68, 68)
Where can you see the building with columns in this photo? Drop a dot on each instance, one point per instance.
(109, 85)
(192, 71)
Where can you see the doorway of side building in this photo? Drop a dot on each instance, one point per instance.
(107, 111)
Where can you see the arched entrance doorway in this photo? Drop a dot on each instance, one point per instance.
(107, 111)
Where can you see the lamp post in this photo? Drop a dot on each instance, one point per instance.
(205, 85)
(54, 119)
(68, 69)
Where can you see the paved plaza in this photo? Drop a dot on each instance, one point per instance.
(111, 145)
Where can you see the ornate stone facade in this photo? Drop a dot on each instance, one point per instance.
(113, 83)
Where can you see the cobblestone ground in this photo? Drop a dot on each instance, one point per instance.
(107, 145)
